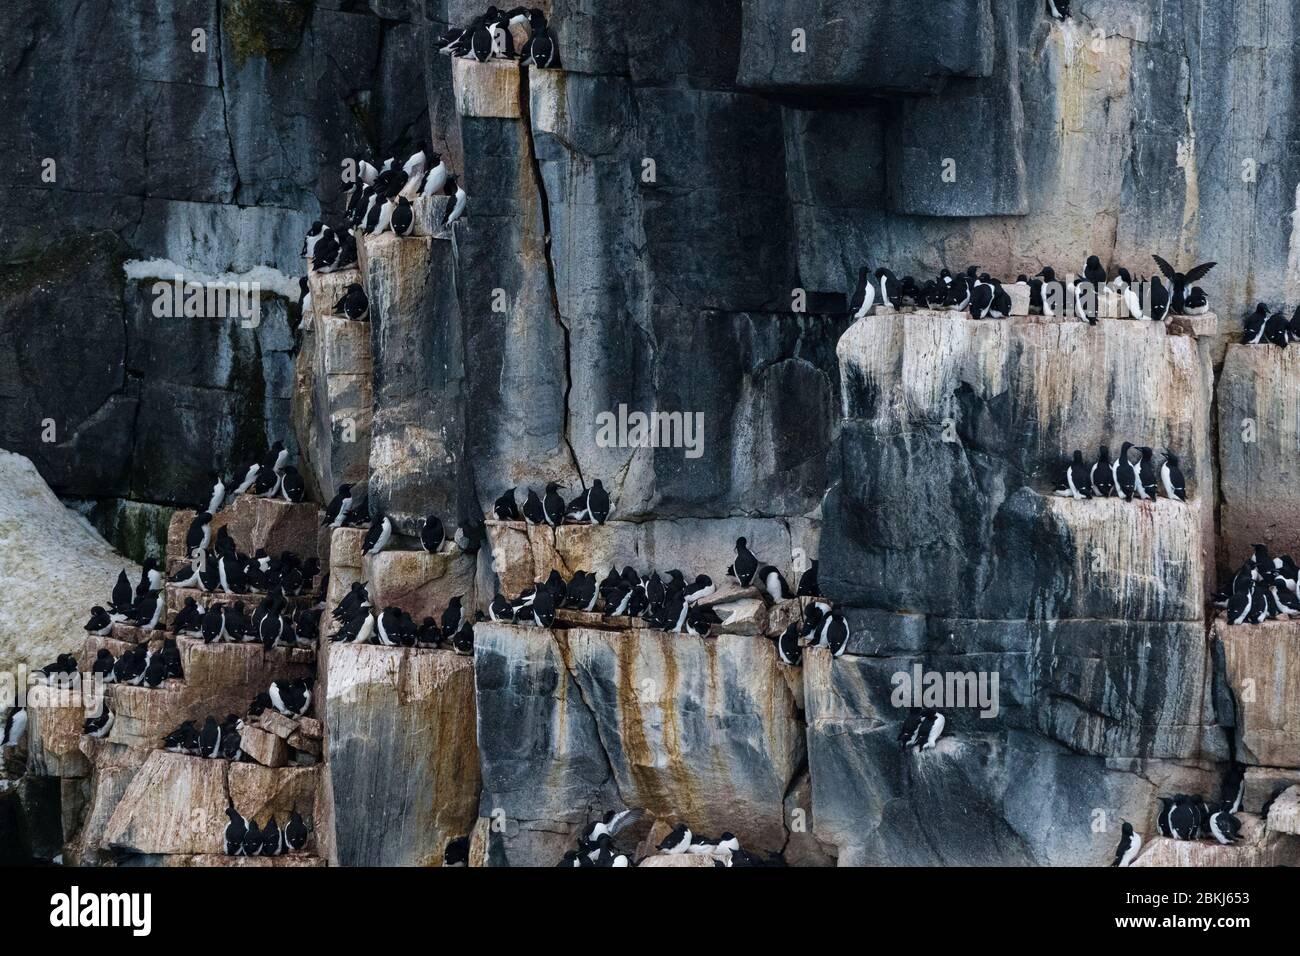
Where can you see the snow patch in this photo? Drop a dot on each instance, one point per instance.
(267, 278)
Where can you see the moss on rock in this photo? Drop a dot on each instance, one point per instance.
(270, 29)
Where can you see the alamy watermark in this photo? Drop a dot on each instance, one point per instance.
(946, 689)
(182, 298)
(624, 429)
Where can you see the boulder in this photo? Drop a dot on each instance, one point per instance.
(334, 400)
(263, 746)
(962, 802)
(955, 433)
(401, 753)
(55, 718)
(145, 820)
(486, 89)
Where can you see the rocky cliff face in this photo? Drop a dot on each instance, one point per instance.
(668, 224)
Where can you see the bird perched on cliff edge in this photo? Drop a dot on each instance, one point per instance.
(1180, 282)
(1129, 843)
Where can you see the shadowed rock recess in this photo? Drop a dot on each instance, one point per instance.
(669, 223)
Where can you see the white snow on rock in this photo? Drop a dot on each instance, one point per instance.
(53, 567)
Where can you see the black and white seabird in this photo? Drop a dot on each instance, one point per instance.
(336, 512)
(432, 535)
(457, 209)
(773, 583)
(403, 217)
(1180, 282)
(863, 297)
(236, 830)
(553, 505)
(354, 303)
(1223, 826)
(506, 508)
(1060, 9)
(677, 841)
(539, 48)
(1076, 484)
(376, 539)
(533, 511)
(100, 623)
(789, 647)
(295, 832)
(745, 566)
(217, 496)
(1171, 478)
(15, 728)
(1125, 475)
(1130, 841)
(1146, 472)
(291, 698)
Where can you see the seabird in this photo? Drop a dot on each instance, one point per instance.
(376, 539)
(1129, 843)
(745, 565)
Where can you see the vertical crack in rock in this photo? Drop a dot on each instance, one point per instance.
(539, 181)
(225, 106)
(566, 655)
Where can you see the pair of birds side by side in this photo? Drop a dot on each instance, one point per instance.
(1123, 477)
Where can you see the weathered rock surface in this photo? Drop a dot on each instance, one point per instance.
(1284, 816)
(334, 396)
(1258, 452)
(260, 119)
(694, 730)
(176, 805)
(274, 524)
(402, 755)
(1262, 672)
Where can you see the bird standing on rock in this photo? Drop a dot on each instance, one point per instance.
(354, 303)
(1180, 282)
(1171, 476)
(457, 209)
(864, 295)
(377, 538)
(745, 565)
(432, 535)
(553, 505)
(1129, 844)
